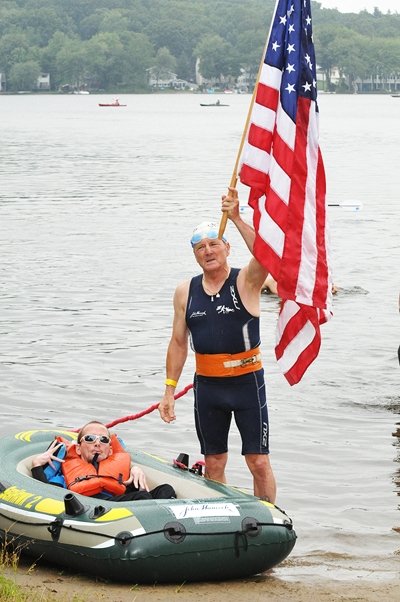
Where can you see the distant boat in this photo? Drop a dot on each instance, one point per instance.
(395, 95)
(114, 103)
(213, 104)
(81, 92)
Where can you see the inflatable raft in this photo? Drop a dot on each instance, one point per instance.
(210, 532)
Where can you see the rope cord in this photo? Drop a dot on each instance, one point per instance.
(143, 412)
(124, 540)
(149, 409)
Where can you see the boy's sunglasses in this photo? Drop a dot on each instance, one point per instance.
(93, 438)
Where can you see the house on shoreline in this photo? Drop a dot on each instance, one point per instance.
(367, 85)
(42, 83)
(167, 80)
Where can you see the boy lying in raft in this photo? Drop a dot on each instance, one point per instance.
(97, 466)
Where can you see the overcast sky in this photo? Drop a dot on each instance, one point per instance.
(355, 6)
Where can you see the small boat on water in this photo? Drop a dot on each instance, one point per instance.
(114, 103)
(213, 104)
(209, 532)
(395, 95)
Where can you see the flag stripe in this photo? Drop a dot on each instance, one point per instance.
(298, 337)
(259, 137)
(271, 77)
(290, 268)
(322, 273)
(286, 128)
(267, 98)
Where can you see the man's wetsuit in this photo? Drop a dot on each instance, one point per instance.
(220, 324)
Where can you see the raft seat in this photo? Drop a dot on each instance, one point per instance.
(184, 488)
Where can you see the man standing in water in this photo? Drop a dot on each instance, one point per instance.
(220, 310)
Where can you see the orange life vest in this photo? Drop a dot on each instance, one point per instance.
(82, 477)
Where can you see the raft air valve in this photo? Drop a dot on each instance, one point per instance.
(73, 506)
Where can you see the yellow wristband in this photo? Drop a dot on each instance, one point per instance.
(171, 382)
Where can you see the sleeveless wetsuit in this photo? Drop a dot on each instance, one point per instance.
(221, 324)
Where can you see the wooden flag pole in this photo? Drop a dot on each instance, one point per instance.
(234, 177)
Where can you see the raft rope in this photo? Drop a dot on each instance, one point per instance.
(149, 409)
(126, 538)
(170, 532)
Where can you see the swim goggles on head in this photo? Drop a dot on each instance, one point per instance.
(205, 230)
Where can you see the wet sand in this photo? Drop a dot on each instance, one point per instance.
(54, 584)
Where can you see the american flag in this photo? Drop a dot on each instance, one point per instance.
(282, 164)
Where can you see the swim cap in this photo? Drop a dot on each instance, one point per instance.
(205, 230)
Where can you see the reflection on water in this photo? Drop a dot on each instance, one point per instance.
(351, 290)
(96, 211)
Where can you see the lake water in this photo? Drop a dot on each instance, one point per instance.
(96, 210)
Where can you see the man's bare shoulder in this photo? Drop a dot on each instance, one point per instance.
(182, 288)
(181, 294)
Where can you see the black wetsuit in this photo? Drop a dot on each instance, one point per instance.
(221, 324)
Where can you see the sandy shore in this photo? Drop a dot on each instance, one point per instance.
(55, 584)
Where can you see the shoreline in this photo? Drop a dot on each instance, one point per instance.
(53, 583)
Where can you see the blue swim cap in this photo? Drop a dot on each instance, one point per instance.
(205, 230)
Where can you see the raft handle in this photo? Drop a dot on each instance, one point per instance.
(55, 528)
(98, 511)
(124, 538)
(250, 526)
(174, 532)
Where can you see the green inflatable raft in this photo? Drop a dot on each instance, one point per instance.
(210, 532)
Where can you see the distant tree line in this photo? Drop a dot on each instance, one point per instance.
(111, 44)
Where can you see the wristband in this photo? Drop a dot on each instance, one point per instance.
(171, 382)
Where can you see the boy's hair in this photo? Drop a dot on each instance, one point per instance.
(87, 424)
